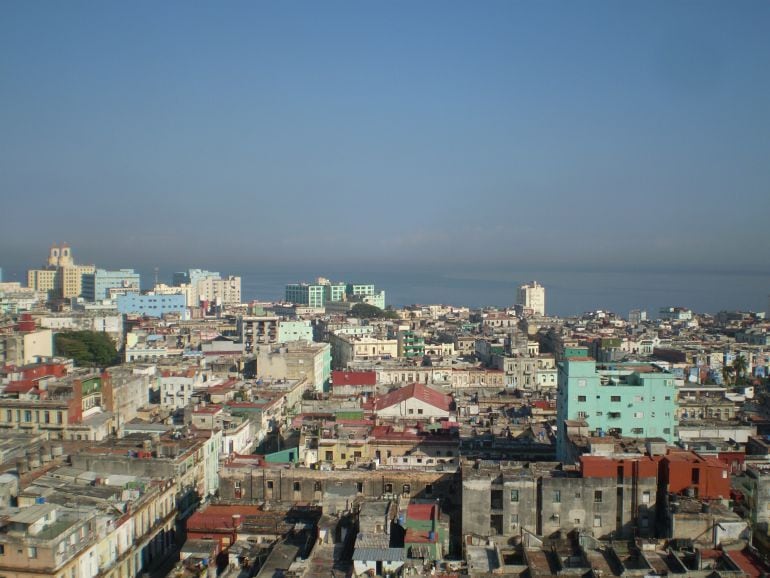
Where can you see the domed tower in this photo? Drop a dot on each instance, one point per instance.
(65, 256)
(53, 256)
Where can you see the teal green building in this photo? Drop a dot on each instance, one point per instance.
(305, 294)
(410, 344)
(294, 331)
(628, 399)
(322, 292)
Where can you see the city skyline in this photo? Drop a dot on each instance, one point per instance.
(570, 293)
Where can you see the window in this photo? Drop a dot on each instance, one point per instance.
(28, 416)
(581, 398)
(637, 430)
(666, 430)
(2, 549)
(419, 411)
(31, 552)
(270, 484)
(317, 487)
(597, 496)
(411, 411)
(645, 497)
(615, 398)
(668, 398)
(582, 415)
(297, 487)
(8, 415)
(329, 456)
(360, 487)
(639, 414)
(577, 521)
(406, 490)
(237, 485)
(388, 488)
(556, 497)
(597, 521)
(514, 495)
(599, 413)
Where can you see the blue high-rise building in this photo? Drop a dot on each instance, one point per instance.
(97, 285)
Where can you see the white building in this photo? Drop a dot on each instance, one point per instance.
(176, 387)
(531, 296)
(415, 401)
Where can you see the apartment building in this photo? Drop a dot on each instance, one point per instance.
(637, 400)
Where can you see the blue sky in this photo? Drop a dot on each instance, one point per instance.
(565, 136)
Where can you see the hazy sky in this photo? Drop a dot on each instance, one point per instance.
(574, 135)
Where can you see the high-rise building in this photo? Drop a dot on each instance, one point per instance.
(636, 316)
(225, 291)
(201, 285)
(531, 297)
(323, 291)
(103, 284)
(60, 278)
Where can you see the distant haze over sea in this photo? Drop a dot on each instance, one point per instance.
(567, 293)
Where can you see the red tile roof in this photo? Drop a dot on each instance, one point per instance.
(340, 378)
(419, 537)
(221, 517)
(420, 511)
(748, 563)
(417, 391)
(210, 409)
(22, 386)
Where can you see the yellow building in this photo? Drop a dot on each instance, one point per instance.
(61, 278)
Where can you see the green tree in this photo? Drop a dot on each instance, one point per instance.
(87, 348)
(727, 374)
(366, 311)
(740, 366)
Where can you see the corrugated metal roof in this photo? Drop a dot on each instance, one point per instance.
(32, 514)
(380, 554)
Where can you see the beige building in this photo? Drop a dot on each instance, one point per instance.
(295, 360)
(347, 349)
(225, 291)
(22, 348)
(61, 278)
(531, 296)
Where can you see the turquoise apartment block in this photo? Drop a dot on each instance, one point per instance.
(628, 399)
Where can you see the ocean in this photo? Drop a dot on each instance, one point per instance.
(567, 293)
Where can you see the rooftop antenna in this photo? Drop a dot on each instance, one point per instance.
(156, 276)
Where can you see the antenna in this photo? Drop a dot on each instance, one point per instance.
(156, 276)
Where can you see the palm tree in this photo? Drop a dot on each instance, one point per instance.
(727, 373)
(740, 366)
